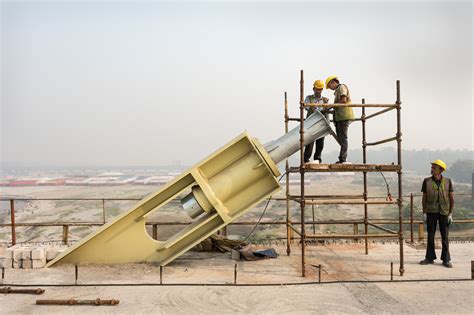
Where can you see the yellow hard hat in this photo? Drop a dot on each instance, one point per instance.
(329, 79)
(440, 164)
(318, 84)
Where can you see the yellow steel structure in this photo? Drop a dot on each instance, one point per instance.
(225, 184)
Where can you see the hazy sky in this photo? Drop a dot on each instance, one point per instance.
(103, 83)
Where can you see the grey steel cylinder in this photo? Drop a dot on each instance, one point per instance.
(316, 126)
(191, 206)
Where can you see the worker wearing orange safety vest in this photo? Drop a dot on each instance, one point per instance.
(438, 203)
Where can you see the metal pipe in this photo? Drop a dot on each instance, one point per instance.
(76, 274)
(350, 105)
(287, 187)
(171, 223)
(349, 168)
(381, 228)
(299, 283)
(179, 199)
(330, 196)
(343, 236)
(411, 218)
(377, 166)
(350, 202)
(65, 234)
(400, 192)
(295, 229)
(161, 274)
(155, 231)
(96, 302)
(12, 216)
(381, 141)
(365, 193)
(319, 273)
(391, 271)
(356, 231)
(103, 210)
(235, 273)
(379, 112)
(314, 127)
(302, 144)
(9, 290)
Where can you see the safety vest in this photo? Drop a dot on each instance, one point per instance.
(312, 99)
(437, 198)
(343, 113)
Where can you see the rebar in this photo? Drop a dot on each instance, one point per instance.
(96, 302)
(9, 290)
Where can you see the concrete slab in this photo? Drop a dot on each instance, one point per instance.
(342, 263)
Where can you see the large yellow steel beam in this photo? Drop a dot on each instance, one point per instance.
(226, 184)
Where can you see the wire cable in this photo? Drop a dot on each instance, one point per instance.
(389, 195)
(263, 212)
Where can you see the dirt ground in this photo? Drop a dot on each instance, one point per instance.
(203, 283)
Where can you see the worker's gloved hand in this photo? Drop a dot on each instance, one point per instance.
(450, 219)
(425, 218)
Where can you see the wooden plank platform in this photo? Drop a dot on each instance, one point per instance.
(348, 168)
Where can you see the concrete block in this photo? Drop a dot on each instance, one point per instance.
(7, 263)
(27, 264)
(38, 253)
(17, 254)
(52, 252)
(17, 263)
(26, 253)
(9, 253)
(38, 263)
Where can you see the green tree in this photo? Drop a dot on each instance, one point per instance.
(461, 171)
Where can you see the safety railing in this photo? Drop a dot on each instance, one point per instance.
(415, 226)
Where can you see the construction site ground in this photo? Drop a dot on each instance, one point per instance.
(203, 282)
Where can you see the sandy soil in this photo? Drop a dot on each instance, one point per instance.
(91, 211)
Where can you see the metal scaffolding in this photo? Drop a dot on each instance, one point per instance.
(304, 199)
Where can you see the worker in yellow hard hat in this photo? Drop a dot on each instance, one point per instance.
(315, 98)
(343, 116)
(438, 204)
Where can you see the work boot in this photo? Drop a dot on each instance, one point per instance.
(447, 264)
(426, 262)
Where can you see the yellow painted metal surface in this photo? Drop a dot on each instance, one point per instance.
(226, 184)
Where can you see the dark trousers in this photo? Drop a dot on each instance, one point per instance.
(342, 128)
(432, 220)
(308, 150)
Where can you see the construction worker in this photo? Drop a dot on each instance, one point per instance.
(343, 116)
(438, 203)
(316, 98)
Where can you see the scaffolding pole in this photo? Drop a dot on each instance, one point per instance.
(304, 200)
